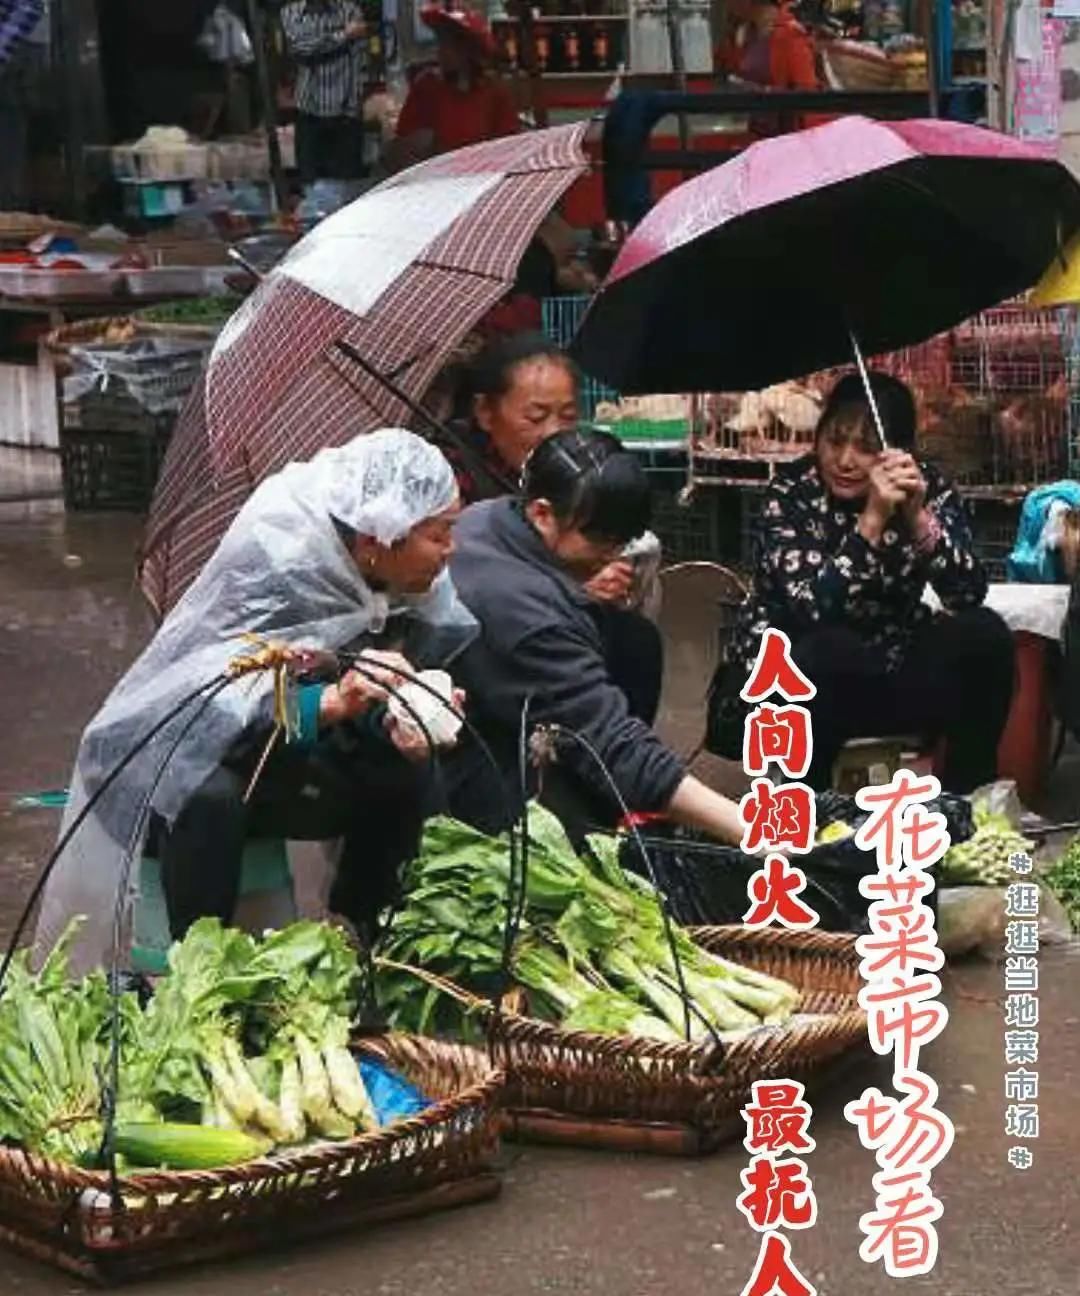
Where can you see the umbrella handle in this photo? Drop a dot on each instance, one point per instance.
(417, 410)
(861, 363)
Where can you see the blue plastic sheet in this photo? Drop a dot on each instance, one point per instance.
(392, 1096)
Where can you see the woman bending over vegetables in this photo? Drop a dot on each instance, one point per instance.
(848, 540)
(522, 566)
(347, 551)
(519, 391)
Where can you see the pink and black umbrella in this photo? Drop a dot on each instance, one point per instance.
(774, 264)
(349, 331)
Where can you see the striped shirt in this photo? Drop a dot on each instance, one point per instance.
(18, 18)
(330, 72)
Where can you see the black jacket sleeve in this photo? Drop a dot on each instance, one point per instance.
(564, 675)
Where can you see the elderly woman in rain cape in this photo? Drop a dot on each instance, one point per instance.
(325, 555)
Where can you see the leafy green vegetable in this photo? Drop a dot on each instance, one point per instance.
(193, 310)
(1063, 879)
(983, 860)
(592, 948)
(53, 1053)
(243, 1036)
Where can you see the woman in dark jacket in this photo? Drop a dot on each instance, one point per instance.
(848, 540)
(518, 392)
(521, 566)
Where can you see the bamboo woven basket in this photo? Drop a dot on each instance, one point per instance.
(440, 1158)
(685, 1099)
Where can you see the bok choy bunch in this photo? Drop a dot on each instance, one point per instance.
(242, 1047)
(592, 949)
(53, 1054)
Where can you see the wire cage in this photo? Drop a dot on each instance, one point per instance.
(998, 407)
(561, 318)
(994, 524)
(1002, 423)
(1072, 369)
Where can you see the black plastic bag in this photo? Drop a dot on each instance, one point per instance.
(706, 884)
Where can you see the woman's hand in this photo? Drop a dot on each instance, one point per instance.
(908, 475)
(408, 740)
(359, 690)
(891, 480)
(613, 583)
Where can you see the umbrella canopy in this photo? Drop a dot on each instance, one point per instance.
(764, 268)
(398, 278)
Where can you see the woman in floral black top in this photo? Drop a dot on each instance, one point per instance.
(847, 541)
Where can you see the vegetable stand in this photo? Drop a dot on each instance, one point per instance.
(439, 1158)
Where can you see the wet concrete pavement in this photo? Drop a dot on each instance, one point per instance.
(571, 1222)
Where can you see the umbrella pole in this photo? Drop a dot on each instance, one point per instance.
(861, 363)
(417, 410)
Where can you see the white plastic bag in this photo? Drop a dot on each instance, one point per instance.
(435, 715)
(224, 39)
(972, 919)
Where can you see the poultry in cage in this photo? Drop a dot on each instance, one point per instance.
(778, 422)
(1030, 435)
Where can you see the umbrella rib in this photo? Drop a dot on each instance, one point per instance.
(475, 460)
(916, 186)
(491, 276)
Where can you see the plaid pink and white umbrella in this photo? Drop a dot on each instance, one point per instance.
(398, 277)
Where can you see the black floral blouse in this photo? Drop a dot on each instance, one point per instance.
(812, 568)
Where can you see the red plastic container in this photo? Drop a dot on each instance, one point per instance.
(1024, 750)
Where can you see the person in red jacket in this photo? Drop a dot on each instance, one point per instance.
(460, 102)
(769, 48)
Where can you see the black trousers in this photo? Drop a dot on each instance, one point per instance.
(351, 784)
(329, 148)
(955, 683)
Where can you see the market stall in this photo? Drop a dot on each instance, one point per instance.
(52, 279)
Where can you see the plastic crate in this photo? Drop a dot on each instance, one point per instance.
(112, 470)
(993, 527)
(111, 410)
(157, 373)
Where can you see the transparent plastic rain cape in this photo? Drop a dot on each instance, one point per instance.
(281, 572)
